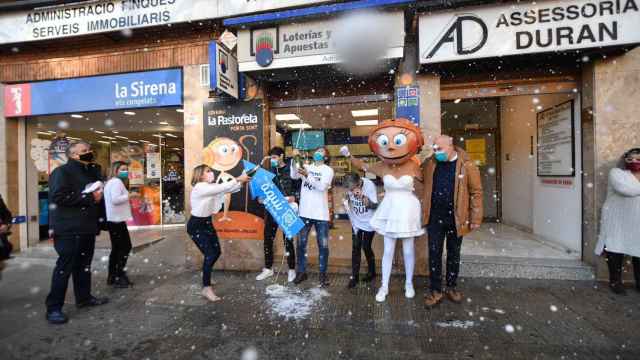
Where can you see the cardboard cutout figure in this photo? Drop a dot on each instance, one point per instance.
(223, 154)
(396, 143)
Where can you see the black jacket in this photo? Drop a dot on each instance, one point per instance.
(5, 213)
(284, 182)
(71, 211)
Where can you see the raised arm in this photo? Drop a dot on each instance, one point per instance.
(359, 164)
(212, 189)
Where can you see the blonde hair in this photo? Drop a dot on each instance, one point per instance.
(198, 171)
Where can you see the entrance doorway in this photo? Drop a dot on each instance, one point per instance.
(526, 215)
(151, 141)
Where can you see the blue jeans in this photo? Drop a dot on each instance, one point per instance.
(322, 235)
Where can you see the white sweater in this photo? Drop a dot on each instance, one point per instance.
(207, 199)
(619, 231)
(314, 193)
(116, 199)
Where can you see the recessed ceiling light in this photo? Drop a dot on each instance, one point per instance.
(457, 101)
(115, 131)
(76, 116)
(144, 141)
(171, 135)
(104, 142)
(287, 117)
(98, 132)
(74, 138)
(122, 137)
(130, 113)
(158, 136)
(108, 137)
(366, 122)
(177, 149)
(44, 133)
(163, 123)
(133, 142)
(300, 126)
(366, 112)
(180, 110)
(51, 132)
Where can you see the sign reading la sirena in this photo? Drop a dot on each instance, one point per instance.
(527, 27)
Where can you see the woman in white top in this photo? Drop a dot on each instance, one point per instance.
(619, 235)
(314, 210)
(207, 198)
(116, 198)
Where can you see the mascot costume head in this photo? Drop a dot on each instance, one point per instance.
(396, 141)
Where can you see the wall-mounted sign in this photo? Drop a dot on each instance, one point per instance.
(239, 7)
(408, 103)
(122, 91)
(307, 43)
(556, 151)
(228, 39)
(223, 73)
(527, 27)
(153, 165)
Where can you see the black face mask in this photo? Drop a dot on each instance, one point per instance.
(87, 157)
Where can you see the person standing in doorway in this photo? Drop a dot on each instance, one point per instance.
(452, 203)
(290, 188)
(118, 208)
(619, 235)
(314, 210)
(207, 198)
(75, 194)
(360, 202)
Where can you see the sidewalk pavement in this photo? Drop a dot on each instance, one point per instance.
(164, 317)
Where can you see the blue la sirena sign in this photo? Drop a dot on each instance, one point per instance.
(97, 93)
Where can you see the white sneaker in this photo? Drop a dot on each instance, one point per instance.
(292, 275)
(266, 273)
(409, 292)
(382, 294)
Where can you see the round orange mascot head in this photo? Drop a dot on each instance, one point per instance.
(396, 141)
(222, 154)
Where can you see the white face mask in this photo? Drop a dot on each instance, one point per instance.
(210, 177)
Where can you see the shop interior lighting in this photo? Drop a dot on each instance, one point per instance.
(171, 135)
(457, 101)
(133, 142)
(98, 132)
(104, 142)
(180, 110)
(366, 112)
(163, 123)
(51, 132)
(76, 116)
(144, 141)
(177, 149)
(44, 133)
(158, 136)
(130, 113)
(115, 131)
(300, 126)
(122, 137)
(366, 122)
(287, 117)
(74, 138)
(108, 137)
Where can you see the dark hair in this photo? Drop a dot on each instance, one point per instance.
(73, 145)
(628, 153)
(327, 154)
(276, 150)
(351, 180)
(115, 167)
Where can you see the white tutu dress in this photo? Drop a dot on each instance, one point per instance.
(399, 215)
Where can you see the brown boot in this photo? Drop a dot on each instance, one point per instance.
(433, 299)
(454, 295)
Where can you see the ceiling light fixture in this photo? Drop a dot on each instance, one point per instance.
(133, 142)
(163, 123)
(108, 137)
(74, 138)
(144, 141)
(122, 137)
(98, 132)
(366, 122)
(287, 117)
(366, 112)
(44, 133)
(180, 110)
(130, 113)
(300, 126)
(158, 136)
(171, 135)
(104, 142)
(76, 116)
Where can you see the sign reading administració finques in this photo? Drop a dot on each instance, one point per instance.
(110, 92)
(306, 43)
(527, 27)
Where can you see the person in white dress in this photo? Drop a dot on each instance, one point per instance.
(619, 235)
(398, 217)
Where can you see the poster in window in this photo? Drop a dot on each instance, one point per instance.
(556, 155)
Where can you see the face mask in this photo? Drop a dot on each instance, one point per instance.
(123, 174)
(317, 156)
(87, 157)
(274, 163)
(633, 166)
(210, 177)
(441, 156)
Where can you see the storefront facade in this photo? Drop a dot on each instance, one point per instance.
(540, 95)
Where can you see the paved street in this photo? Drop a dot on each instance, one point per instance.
(164, 317)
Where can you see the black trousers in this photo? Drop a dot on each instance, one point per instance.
(438, 233)
(615, 261)
(75, 253)
(361, 242)
(270, 230)
(205, 237)
(120, 247)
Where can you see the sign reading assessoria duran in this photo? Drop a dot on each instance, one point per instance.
(527, 27)
(97, 93)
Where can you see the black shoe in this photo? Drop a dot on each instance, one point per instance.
(124, 275)
(618, 288)
(110, 279)
(300, 277)
(369, 277)
(324, 281)
(57, 317)
(352, 283)
(93, 301)
(122, 282)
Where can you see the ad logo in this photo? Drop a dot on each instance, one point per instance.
(467, 34)
(223, 60)
(264, 44)
(17, 99)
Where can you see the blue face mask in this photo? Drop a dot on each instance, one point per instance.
(441, 156)
(123, 174)
(274, 163)
(318, 156)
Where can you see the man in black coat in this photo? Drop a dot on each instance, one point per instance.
(74, 222)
